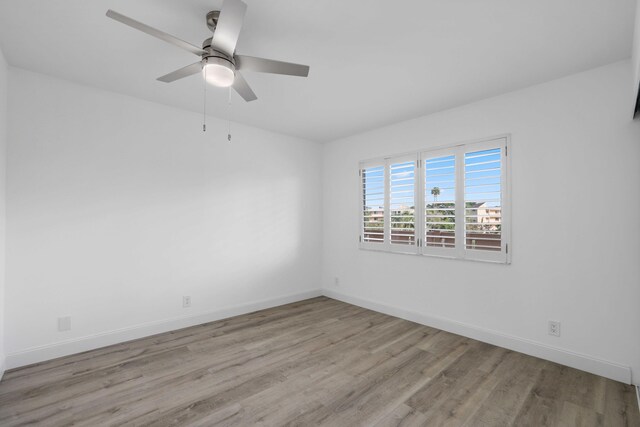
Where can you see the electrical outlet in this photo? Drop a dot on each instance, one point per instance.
(64, 324)
(554, 328)
(336, 281)
(186, 301)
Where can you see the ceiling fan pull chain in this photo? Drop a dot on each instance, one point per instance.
(204, 108)
(229, 118)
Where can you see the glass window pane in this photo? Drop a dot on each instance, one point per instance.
(402, 203)
(483, 200)
(440, 197)
(373, 204)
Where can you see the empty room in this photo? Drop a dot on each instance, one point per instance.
(319, 213)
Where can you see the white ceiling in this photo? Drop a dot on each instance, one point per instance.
(372, 62)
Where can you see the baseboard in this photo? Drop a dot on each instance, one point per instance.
(564, 357)
(103, 339)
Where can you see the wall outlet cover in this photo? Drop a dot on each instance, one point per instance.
(554, 328)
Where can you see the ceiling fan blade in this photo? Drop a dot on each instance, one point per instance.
(154, 32)
(229, 25)
(181, 73)
(262, 65)
(242, 87)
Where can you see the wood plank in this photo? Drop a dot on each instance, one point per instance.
(404, 416)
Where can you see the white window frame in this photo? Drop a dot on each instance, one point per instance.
(459, 251)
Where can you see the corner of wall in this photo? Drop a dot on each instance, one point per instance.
(4, 71)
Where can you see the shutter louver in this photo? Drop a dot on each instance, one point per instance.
(440, 197)
(402, 203)
(373, 204)
(483, 200)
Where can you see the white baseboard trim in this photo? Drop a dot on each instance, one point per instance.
(583, 362)
(103, 339)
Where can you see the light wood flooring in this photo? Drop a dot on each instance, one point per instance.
(316, 362)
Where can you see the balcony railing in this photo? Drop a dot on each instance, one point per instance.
(442, 238)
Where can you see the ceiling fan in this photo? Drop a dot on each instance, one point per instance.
(219, 63)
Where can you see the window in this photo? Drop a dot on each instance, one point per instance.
(450, 202)
(402, 204)
(440, 202)
(373, 195)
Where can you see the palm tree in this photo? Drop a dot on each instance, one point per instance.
(435, 192)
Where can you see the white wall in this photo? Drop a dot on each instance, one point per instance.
(575, 177)
(4, 73)
(118, 207)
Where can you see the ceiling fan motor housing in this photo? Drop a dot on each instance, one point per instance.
(215, 56)
(220, 57)
(221, 63)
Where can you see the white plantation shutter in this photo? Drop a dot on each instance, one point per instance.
(373, 190)
(451, 202)
(484, 201)
(402, 203)
(440, 202)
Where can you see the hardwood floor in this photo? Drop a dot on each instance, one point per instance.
(316, 362)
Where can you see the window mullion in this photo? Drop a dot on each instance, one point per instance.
(419, 204)
(387, 205)
(460, 204)
(506, 201)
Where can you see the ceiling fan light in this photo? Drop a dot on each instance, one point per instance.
(218, 72)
